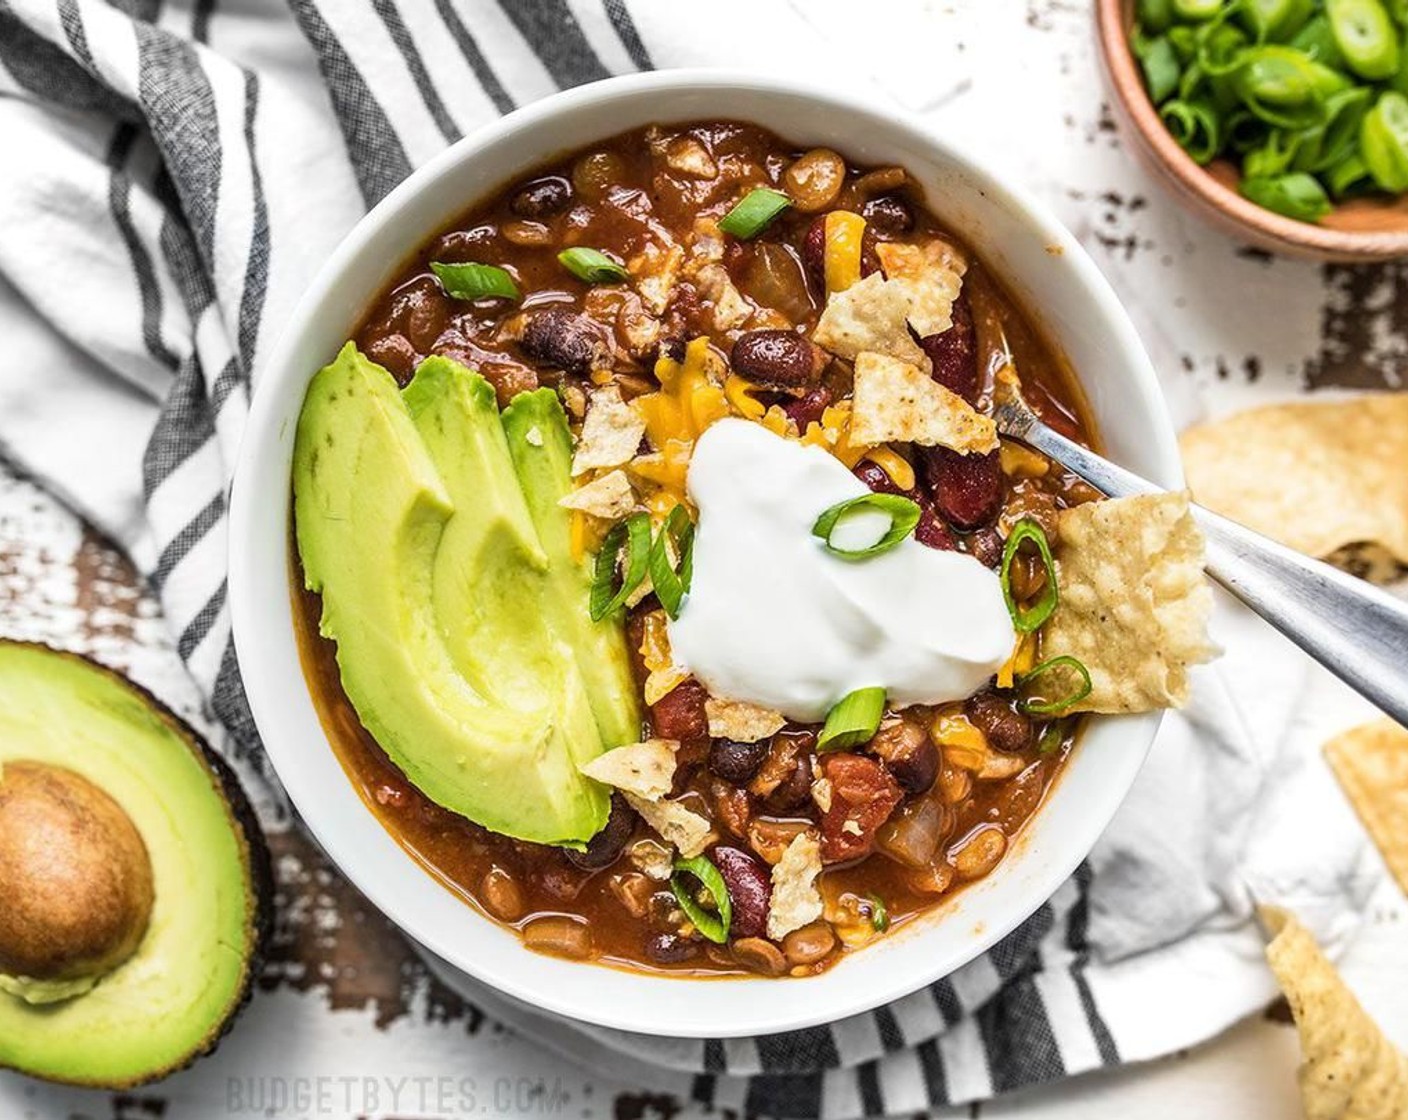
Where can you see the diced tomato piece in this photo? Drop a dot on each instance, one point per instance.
(863, 795)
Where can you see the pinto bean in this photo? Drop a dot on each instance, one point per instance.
(501, 895)
(814, 180)
(809, 944)
(749, 889)
(978, 853)
(955, 353)
(680, 713)
(603, 848)
(1005, 728)
(908, 753)
(566, 341)
(542, 198)
(757, 955)
(966, 489)
(559, 936)
(736, 762)
(777, 359)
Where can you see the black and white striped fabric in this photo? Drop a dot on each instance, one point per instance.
(172, 172)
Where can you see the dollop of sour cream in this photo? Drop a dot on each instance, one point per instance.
(774, 619)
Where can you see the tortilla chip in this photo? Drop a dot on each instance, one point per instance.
(1351, 1071)
(895, 400)
(1371, 763)
(741, 722)
(685, 829)
(795, 899)
(611, 433)
(646, 769)
(1318, 476)
(609, 497)
(931, 276)
(870, 315)
(1134, 602)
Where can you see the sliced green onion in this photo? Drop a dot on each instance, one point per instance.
(1276, 20)
(1296, 195)
(1161, 69)
(1383, 142)
(633, 535)
(592, 265)
(671, 578)
(1348, 176)
(1029, 620)
(1197, 10)
(1329, 143)
(1317, 41)
(1274, 156)
(1054, 707)
(902, 512)
(853, 721)
(714, 926)
(754, 213)
(879, 913)
(475, 281)
(1366, 37)
(1222, 48)
(1154, 15)
(1286, 88)
(1051, 738)
(1244, 131)
(1195, 126)
(1184, 41)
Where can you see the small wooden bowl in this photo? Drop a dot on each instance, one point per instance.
(1358, 230)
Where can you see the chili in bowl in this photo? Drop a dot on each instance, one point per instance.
(662, 585)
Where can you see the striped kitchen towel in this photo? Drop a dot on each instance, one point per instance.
(174, 172)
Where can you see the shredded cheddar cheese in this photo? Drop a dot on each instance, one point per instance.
(833, 434)
(739, 393)
(1021, 662)
(893, 464)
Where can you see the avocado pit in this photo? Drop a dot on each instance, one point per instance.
(77, 882)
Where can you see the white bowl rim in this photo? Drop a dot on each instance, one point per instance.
(250, 617)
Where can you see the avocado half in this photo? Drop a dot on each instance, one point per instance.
(135, 886)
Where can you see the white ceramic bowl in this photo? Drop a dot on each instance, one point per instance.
(1050, 274)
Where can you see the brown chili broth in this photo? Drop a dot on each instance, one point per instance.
(454, 849)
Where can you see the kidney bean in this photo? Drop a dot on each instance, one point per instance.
(966, 489)
(814, 256)
(603, 848)
(808, 409)
(680, 714)
(749, 889)
(566, 341)
(777, 359)
(809, 944)
(908, 753)
(542, 198)
(1006, 728)
(669, 948)
(985, 546)
(875, 476)
(863, 795)
(888, 214)
(559, 936)
(955, 353)
(757, 955)
(932, 532)
(736, 762)
(814, 180)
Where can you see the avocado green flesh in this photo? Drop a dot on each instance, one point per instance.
(169, 1001)
(413, 526)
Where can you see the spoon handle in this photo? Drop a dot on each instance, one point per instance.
(1354, 629)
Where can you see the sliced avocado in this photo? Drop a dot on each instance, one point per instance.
(541, 445)
(137, 884)
(431, 579)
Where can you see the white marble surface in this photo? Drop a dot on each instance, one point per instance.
(330, 1035)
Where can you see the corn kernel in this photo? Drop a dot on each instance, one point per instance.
(845, 233)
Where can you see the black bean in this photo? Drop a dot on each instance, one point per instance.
(908, 753)
(794, 790)
(542, 198)
(566, 341)
(888, 214)
(1006, 728)
(603, 848)
(669, 948)
(734, 761)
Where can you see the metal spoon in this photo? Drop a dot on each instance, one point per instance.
(1354, 629)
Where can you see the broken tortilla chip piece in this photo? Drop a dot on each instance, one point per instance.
(1134, 602)
(611, 433)
(645, 769)
(1351, 1071)
(1371, 763)
(675, 824)
(740, 721)
(895, 400)
(931, 276)
(795, 899)
(1318, 476)
(608, 497)
(870, 315)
